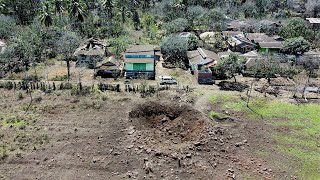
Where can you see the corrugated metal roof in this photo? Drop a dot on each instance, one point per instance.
(231, 33)
(314, 20)
(259, 37)
(202, 57)
(274, 44)
(139, 60)
(211, 55)
(207, 35)
(250, 54)
(141, 49)
(313, 53)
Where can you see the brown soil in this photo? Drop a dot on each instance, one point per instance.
(122, 136)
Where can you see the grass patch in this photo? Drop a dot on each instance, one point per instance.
(308, 161)
(60, 78)
(217, 116)
(223, 98)
(12, 122)
(3, 152)
(175, 74)
(300, 143)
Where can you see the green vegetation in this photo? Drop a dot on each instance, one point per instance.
(296, 27)
(59, 78)
(300, 143)
(217, 116)
(19, 133)
(230, 66)
(296, 46)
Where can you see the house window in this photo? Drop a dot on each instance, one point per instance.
(139, 67)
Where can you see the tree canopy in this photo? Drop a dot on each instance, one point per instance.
(296, 27)
(296, 46)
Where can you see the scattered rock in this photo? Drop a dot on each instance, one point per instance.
(238, 144)
(131, 130)
(265, 169)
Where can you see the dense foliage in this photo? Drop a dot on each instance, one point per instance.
(32, 29)
(296, 46)
(230, 66)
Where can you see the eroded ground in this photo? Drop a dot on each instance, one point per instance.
(121, 136)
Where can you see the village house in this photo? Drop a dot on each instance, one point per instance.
(229, 34)
(251, 58)
(238, 43)
(224, 54)
(90, 52)
(314, 22)
(200, 62)
(109, 68)
(140, 61)
(313, 54)
(265, 43)
(236, 25)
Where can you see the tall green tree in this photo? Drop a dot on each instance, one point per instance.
(231, 66)
(77, 10)
(25, 47)
(296, 27)
(8, 26)
(46, 15)
(174, 48)
(108, 5)
(122, 6)
(119, 45)
(66, 45)
(24, 11)
(296, 46)
(58, 7)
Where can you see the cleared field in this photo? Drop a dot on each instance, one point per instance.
(197, 135)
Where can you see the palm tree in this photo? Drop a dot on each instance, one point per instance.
(46, 15)
(122, 5)
(58, 6)
(145, 4)
(76, 10)
(2, 6)
(108, 5)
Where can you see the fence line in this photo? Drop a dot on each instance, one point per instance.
(80, 89)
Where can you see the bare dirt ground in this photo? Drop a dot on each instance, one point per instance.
(121, 136)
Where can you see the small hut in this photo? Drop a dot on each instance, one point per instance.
(109, 68)
(90, 52)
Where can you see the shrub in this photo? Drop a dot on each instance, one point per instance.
(19, 95)
(177, 25)
(38, 99)
(192, 42)
(7, 25)
(174, 47)
(8, 85)
(296, 46)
